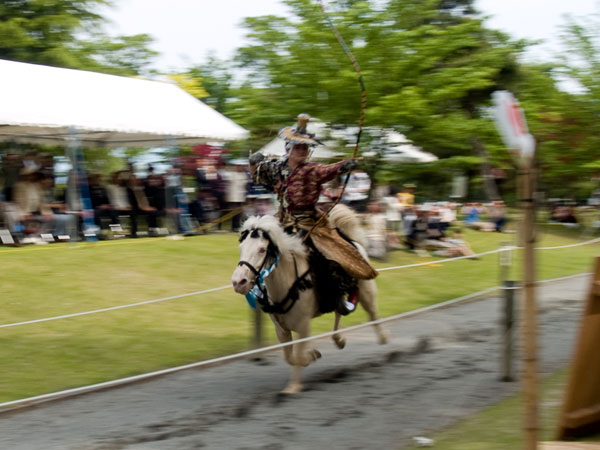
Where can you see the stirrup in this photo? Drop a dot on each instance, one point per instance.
(346, 306)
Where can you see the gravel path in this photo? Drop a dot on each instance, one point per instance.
(439, 367)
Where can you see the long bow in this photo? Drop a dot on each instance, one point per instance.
(363, 108)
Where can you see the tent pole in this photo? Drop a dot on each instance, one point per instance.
(79, 187)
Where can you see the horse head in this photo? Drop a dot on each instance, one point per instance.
(257, 252)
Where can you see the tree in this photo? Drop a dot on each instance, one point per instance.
(429, 67)
(54, 32)
(216, 80)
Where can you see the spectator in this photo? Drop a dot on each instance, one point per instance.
(497, 214)
(46, 163)
(417, 232)
(12, 163)
(447, 214)
(141, 207)
(264, 205)
(473, 212)
(393, 216)
(101, 203)
(154, 188)
(177, 205)
(450, 247)
(356, 194)
(117, 194)
(375, 222)
(32, 210)
(407, 196)
(235, 196)
(30, 159)
(65, 224)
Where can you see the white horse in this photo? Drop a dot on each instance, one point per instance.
(264, 246)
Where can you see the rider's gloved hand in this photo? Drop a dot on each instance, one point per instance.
(255, 158)
(349, 165)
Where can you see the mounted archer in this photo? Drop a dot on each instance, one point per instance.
(337, 263)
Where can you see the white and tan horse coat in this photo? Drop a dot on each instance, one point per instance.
(293, 260)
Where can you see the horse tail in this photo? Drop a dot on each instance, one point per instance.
(345, 219)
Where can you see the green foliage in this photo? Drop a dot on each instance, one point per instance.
(429, 67)
(53, 32)
(121, 55)
(215, 79)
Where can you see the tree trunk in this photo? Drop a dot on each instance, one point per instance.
(489, 182)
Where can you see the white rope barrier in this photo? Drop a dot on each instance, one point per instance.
(591, 241)
(114, 308)
(31, 401)
(406, 266)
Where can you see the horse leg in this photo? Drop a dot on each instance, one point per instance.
(339, 340)
(285, 336)
(302, 358)
(366, 297)
(303, 355)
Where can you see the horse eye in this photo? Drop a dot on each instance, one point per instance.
(262, 250)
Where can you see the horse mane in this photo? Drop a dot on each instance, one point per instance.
(285, 242)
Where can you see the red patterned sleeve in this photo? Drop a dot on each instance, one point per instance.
(327, 172)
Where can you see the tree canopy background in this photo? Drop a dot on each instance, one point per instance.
(429, 66)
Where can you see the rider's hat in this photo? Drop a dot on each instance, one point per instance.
(298, 134)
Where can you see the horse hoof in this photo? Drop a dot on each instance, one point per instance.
(340, 342)
(292, 389)
(383, 338)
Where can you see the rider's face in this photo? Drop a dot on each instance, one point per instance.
(299, 153)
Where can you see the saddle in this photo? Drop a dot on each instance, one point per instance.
(335, 262)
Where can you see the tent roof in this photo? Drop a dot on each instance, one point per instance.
(40, 104)
(402, 150)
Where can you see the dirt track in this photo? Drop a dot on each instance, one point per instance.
(439, 367)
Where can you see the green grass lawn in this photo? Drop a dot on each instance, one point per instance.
(58, 279)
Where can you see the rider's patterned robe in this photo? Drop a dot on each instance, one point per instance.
(298, 191)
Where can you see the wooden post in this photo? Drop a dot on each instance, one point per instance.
(530, 375)
(511, 124)
(508, 322)
(508, 316)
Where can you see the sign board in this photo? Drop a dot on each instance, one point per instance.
(510, 121)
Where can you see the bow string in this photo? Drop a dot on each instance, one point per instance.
(363, 107)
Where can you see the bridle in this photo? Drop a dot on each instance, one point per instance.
(258, 293)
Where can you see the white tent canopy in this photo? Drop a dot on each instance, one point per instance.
(402, 150)
(44, 105)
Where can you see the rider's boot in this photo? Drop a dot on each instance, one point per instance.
(347, 305)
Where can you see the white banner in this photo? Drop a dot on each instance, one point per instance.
(511, 124)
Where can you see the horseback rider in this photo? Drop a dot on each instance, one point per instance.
(298, 184)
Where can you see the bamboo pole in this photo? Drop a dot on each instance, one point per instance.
(530, 375)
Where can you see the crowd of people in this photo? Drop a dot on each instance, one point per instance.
(394, 221)
(34, 209)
